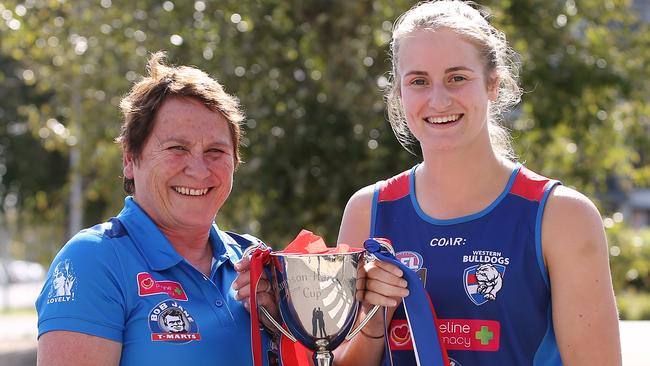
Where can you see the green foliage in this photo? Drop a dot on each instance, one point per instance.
(633, 305)
(584, 117)
(630, 264)
(630, 257)
(308, 75)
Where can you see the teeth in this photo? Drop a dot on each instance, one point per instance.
(191, 192)
(445, 119)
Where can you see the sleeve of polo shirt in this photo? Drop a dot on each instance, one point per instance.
(83, 291)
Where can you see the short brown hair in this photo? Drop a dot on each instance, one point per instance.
(140, 106)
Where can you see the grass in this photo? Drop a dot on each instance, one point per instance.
(18, 311)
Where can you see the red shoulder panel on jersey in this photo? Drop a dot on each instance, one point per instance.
(395, 187)
(529, 185)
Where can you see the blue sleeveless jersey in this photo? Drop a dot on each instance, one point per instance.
(484, 272)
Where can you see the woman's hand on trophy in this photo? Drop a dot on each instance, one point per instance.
(383, 284)
(265, 293)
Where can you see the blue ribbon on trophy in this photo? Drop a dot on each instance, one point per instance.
(420, 314)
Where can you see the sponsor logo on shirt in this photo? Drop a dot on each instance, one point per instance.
(456, 335)
(447, 242)
(414, 261)
(470, 334)
(171, 322)
(63, 283)
(399, 335)
(484, 280)
(148, 286)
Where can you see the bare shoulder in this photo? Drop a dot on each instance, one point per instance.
(571, 222)
(575, 251)
(361, 200)
(355, 226)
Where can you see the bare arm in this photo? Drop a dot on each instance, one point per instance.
(584, 311)
(63, 348)
(384, 285)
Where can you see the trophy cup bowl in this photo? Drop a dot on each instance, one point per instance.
(317, 299)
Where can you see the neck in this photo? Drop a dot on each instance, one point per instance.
(193, 246)
(452, 184)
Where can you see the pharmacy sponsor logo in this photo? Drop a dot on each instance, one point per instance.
(147, 286)
(399, 335)
(470, 334)
(63, 283)
(456, 335)
(448, 242)
(171, 322)
(412, 260)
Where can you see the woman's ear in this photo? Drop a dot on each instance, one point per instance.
(493, 87)
(127, 162)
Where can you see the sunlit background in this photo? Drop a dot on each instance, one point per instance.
(310, 76)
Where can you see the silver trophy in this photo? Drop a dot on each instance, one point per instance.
(317, 299)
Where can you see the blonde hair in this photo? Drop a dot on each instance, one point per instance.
(469, 21)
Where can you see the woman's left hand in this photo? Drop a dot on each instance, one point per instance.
(265, 293)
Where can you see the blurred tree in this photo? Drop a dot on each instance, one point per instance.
(584, 117)
(31, 174)
(310, 76)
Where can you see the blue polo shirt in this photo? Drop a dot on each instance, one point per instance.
(122, 280)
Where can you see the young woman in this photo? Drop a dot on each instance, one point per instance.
(515, 264)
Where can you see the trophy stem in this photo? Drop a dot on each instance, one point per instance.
(323, 358)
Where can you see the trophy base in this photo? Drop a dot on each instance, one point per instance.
(323, 358)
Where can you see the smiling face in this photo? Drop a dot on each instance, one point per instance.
(444, 90)
(186, 169)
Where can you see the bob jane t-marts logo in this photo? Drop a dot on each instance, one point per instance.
(171, 322)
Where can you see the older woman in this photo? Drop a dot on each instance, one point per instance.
(153, 284)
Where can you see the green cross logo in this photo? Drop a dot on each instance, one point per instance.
(178, 291)
(484, 335)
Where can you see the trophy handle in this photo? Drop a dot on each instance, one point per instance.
(363, 322)
(247, 252)
(372, 312)
(276, 325)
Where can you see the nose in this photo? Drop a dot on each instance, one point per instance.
(196, 167)
(439, 98)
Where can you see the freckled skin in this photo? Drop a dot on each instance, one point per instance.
(190, 146)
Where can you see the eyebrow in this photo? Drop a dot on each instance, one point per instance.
(451, 69)
(183, 141)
